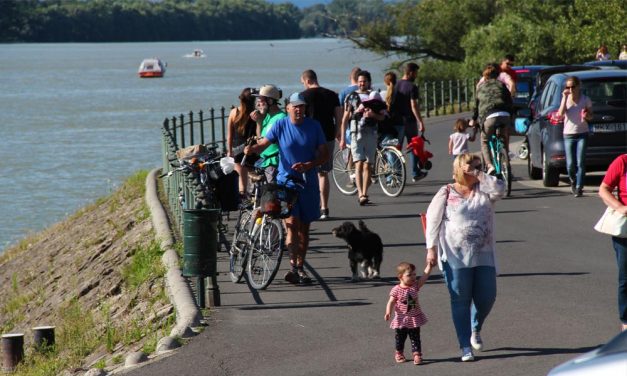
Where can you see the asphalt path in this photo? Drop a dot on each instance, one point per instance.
(556, 292)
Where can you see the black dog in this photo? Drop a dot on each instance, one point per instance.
(365, 249)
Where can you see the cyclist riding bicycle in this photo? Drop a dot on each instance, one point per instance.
(493, 109)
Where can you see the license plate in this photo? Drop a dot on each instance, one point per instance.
(609, 127)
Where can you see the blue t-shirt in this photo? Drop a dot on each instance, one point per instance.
(344, 93)
(297, 143)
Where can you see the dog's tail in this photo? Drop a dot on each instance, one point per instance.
(362, 226)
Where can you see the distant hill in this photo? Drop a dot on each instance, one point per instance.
(300, 3)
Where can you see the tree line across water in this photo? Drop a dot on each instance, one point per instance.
(450, 38)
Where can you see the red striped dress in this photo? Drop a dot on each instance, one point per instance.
(407, 312)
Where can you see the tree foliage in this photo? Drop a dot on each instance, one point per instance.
(145, 20)
(469, 33)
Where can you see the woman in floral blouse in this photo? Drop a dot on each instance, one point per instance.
(460, 238)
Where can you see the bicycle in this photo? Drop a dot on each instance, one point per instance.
(204, 167)
(389, 169)
(259, 237)
(500, 159)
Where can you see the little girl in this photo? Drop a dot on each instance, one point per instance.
(408, 317)
(458, 141)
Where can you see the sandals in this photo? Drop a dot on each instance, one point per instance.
(417, 358)
(399, 357)
(363, 200)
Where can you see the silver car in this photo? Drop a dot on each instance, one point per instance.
(608, 360)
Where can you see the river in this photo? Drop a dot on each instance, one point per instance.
(76, 119)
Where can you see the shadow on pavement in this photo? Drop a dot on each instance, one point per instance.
(536, 274)
(513, 352)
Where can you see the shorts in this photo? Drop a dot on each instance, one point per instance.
(307, 206)
(328, 165)
(364, 146)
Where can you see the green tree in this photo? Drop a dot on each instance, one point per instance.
(467, 34)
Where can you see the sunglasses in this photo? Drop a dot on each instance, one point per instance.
(571, 87)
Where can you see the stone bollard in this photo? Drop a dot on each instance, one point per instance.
(12, 351)
(43, 338)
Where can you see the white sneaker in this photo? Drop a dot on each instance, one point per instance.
(476, 342)
(467, 355)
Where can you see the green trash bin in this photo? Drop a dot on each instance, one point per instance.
(200, 242)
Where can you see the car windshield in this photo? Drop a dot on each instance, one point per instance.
(613, 93)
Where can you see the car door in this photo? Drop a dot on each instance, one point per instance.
(535, 133)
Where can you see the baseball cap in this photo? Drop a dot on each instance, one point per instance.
(269, 91)
(296, 99)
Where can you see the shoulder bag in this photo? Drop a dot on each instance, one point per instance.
(612, 223)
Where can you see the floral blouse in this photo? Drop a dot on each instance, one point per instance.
(463, 228)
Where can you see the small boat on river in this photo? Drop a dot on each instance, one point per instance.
(198, 53)
(152, 67)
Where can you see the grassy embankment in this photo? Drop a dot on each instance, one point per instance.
(97, 277)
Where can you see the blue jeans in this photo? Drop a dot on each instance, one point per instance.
(575, 146)
(620, 246)
(473, 292)
(411, 130)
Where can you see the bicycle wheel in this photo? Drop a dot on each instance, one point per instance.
(238, 253)
(344, 172)
(265, 254)
(505, 170)
(390, 171)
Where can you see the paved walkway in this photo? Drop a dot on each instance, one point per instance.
(553, 301)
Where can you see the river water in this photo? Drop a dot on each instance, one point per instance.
(76, 119)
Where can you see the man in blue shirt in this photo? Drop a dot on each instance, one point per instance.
(302, 148)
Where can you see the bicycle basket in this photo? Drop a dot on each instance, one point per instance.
(277, 200)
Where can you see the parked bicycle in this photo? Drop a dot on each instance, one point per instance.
(213, 188)
(259, 237)
(389, 169)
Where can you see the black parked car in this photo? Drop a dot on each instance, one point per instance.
(608, 129)
(620, 64)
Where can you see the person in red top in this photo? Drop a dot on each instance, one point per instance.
(616, 178)
(408, 317)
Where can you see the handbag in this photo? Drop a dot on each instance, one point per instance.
(612, 223)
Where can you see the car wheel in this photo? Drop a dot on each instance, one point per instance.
(523, 151)
(534, 172)
(550, 175)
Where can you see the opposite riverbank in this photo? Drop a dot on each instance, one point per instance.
(98, 277)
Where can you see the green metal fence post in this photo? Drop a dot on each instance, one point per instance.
(182, 126)
(426, 90)
(459, 97)
(442, 97)
(224, 131)
(191, 128)
(435, 99)
(202, 126)
(174, 136)
(450, 96)
(213, 125)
